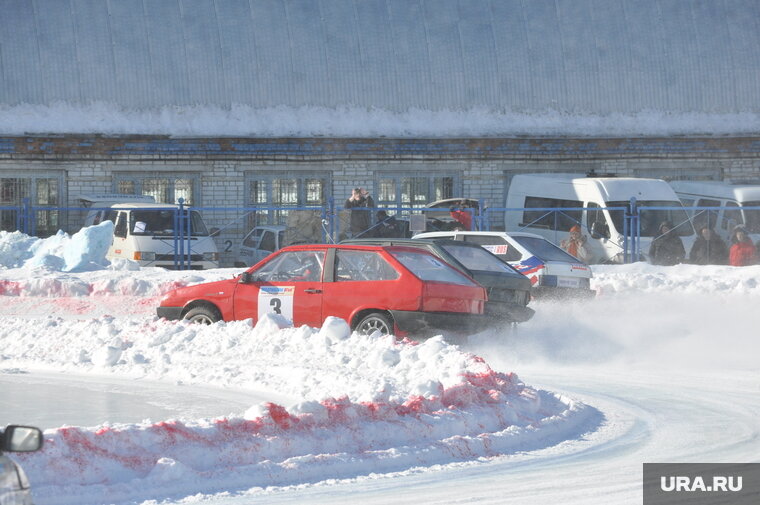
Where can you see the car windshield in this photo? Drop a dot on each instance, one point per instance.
(161, 222)
(650, 219)
(430, 268)
(476, 258)
(752, 217)
(544, 250)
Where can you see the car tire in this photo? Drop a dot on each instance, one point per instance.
(375, 321)
(203, 315)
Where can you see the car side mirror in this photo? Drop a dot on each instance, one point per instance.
(21, 439)
(599, 230)
(246, 278)
(214, 232)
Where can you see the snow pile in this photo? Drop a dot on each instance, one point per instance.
(691, 279)
(85, 250)
(359, 404)
(309, 121)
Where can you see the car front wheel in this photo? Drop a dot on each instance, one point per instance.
(202, 315)
(375, 321)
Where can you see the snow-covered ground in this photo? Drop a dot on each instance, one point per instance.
(661, 366)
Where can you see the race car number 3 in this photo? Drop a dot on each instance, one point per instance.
(276, 300)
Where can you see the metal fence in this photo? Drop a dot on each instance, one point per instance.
(332, 223)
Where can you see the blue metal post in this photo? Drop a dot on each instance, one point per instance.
(181, 231)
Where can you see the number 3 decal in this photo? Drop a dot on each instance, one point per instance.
(276, 305)
(276, 300)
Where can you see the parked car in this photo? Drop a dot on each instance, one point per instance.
(259, 243)
(14, 485)
(508, 290)
(552, 271)
(393, 289)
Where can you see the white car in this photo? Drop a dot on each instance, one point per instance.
(260, 243)
(552, 271)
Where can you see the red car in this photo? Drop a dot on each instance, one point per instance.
(394, 289)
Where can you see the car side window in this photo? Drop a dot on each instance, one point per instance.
(292, 266)
(496, 245)
(252, 239)
(267, 241)
(362, 266)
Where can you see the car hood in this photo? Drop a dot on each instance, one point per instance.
(208, 289)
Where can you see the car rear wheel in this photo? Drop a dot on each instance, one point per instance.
(375, 321)
(203, 315)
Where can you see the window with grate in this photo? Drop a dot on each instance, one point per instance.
(274, 195)
(168, 189)
(42, 191)
(404, 191)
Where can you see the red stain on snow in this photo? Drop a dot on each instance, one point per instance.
(10, 288)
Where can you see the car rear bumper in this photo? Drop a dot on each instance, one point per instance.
(508, 312)
(170, 313)
(424, 322)
(557, 293)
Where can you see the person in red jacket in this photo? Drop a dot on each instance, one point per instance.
(461, 215)
(742, 252)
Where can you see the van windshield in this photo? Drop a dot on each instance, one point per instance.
(752, 217)
(161, 223)
(651, 219)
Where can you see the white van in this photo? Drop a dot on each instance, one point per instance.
(733, 198)
(144, 231)
(532, 196)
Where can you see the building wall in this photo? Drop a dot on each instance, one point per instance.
(483, 166)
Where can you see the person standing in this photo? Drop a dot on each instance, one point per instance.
(667, 248)
(708, 249)
(742, 252)
(575, 244)
(462, 216)
(360, 203)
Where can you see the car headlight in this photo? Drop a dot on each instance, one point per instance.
(145, 256)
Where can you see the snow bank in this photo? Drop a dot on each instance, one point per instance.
(306, 121)
(360, 404)
(85, 250)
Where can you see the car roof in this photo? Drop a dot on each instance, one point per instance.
(368, 247)
(432, 234)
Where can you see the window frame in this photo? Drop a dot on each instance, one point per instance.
(138, 179)
(455, 187)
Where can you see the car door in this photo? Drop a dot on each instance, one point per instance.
(289, 284)
(362, 278)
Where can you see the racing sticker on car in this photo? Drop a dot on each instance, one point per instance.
(496, 248)
(276, 300)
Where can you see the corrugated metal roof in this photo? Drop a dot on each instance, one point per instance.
(578, 56)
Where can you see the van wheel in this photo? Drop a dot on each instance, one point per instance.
(375, 321)
(203, 315)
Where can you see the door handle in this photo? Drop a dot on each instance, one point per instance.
(312, 291)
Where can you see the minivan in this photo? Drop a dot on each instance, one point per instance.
(731, 202)
(145, 232)
(587, 201)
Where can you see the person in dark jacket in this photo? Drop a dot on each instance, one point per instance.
(361, 204)
(667, 248)
(742, 252)
(708, 249)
